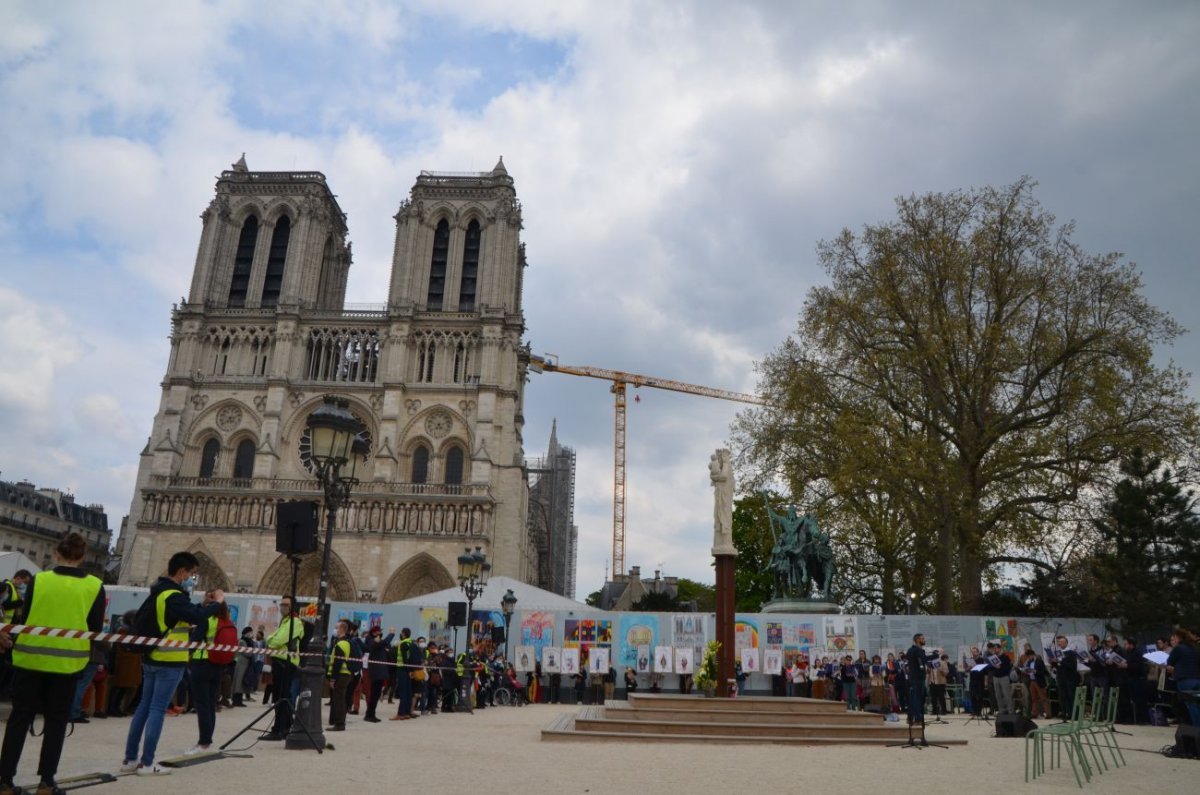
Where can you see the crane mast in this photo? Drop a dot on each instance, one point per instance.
(619, 381)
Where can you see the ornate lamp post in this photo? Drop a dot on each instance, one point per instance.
(508, 605)
(338, 450)
(473, 573)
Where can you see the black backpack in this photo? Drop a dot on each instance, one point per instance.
(145, 623)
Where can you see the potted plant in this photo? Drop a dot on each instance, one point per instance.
(706, 672)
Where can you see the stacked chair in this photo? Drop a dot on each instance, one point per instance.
(1086, 727)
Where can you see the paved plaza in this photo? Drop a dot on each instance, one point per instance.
(500, 750)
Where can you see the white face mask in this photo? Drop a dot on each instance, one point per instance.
(190, 583)
(21, 590)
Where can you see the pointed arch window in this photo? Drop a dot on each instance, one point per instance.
(454, 466)
(325, 281)
(208, 458)
(243, 460)
(470, 267)
(276, 259)
(437, 266)
(243, 261)
(420, 464)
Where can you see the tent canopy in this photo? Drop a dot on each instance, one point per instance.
(12, 562)
(529, 597)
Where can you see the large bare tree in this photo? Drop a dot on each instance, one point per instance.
(965, 373)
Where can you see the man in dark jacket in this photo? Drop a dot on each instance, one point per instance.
(1066, 673)
(915, 657)
(379, 671)
(170, 607)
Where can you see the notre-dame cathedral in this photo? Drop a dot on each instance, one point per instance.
(436, 375)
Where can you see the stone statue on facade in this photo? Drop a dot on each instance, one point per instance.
(802, 557)
(720, 472)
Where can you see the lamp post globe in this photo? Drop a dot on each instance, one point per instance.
(338, 451)
(473, 572)
(508, 605)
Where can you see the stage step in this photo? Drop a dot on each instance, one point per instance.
(695, 719)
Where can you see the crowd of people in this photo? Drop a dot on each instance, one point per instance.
(74, 680)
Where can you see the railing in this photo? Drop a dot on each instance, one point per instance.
(305, 485)
(365, 513)
(274, 176)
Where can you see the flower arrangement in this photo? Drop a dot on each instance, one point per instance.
(706, 673)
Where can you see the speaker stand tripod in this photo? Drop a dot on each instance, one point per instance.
(919, 743)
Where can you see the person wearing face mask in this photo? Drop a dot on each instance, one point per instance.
(406, 656)
(168, 613)
(379, 672)
(12, 596)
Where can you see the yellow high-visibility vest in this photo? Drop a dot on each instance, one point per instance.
(210, 637)
(338, 663)
(62, 602)
(160, 654)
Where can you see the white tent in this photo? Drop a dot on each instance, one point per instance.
(12, 562)
(529, 597)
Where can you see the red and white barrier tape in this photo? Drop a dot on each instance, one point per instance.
(138, 640)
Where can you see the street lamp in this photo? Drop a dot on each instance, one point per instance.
(339, 448)
(508, 605)
(473, 573)
(911, 600)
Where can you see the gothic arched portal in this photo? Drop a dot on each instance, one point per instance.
(420, 574)
(278, 578)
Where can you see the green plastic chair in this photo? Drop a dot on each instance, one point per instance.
(1060, 735)
(1104, 726)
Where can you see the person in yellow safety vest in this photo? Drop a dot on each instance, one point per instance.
(12, 594)
(406, 657)
(45, 667)
(340, 676)
(284, 642)
(169, 613)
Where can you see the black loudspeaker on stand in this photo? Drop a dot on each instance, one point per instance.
(296, 527)
(457, 614)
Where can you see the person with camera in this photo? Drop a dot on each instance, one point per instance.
(168, 613)
(44, 667)
(208, 666)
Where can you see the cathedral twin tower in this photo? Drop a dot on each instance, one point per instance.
(436, 376)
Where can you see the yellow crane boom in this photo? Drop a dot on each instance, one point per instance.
(619, 380)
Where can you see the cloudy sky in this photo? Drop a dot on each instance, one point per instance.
(677, 162)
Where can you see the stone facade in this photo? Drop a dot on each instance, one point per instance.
(33, 521)
(436, 375)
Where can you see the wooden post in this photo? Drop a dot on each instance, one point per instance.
(725, 619)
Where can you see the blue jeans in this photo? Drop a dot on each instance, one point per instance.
(85, 679)
(158, 686)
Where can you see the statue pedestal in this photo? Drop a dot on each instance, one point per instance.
(725, 620)
(800, 606)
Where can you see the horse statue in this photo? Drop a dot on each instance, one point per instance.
(802, 557)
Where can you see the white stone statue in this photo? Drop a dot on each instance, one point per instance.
(720, 472)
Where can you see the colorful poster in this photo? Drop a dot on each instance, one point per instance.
(683, 659)
(636, 631)
(598, 660)
(358, 618)
(524, 658)
(584, 634)
(263, 614)
(537, 630)
(1002, 631)
(745, 636)
(749, 658)
(481, 624)
(434, 625)
(839, 634)
(800, 636)
(690, 630)
(643, 660)
(233, 613)
(570, 661)
(664, 659)
(551, 659)
(774, 633)
(772, 660)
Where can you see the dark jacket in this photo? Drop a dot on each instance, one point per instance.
(915, 657)
(1183, 658)
(179, 608)
(377, 652)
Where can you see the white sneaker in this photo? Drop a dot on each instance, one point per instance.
(129, 767)
(153, 770)
(197, 749)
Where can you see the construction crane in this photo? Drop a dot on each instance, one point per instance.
(619, 381)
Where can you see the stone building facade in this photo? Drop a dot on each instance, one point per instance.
(552, 516)
(436, 375)
(33, 520)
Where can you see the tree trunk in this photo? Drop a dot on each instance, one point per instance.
(970, 573)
